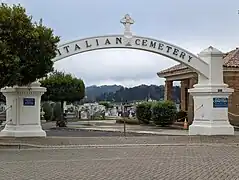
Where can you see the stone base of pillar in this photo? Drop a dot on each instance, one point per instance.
(22, 131)
(205, 128)
(211, 110)
(23, 118)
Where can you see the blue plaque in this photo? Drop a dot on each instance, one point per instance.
(29, 101)
(220, 102)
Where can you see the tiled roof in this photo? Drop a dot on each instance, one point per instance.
(174, 68)
(231, 59)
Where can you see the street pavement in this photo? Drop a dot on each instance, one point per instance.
(73, 154)
(133, 162)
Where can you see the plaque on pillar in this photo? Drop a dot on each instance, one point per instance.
(29, 101)
(220, 102)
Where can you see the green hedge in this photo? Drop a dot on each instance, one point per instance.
(48, 111)
(164, 113)
(143, 112)
(56, 112)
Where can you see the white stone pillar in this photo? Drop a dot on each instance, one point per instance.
(211, 99)
(23, 119)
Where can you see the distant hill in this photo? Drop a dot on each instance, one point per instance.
(92, 92)
(121, 94)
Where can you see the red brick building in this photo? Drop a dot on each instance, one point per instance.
(188, 78)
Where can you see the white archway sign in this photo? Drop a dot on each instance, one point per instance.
(141, 43)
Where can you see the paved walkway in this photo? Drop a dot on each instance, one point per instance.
(111, 127)
(135, 129)
(201, 158)
(156, 157)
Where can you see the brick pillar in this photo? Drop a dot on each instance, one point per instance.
(192, 81)
(184, 85)
(233, 99)
(168, 90)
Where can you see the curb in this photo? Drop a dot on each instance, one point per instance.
(19, 146)
(34, 146)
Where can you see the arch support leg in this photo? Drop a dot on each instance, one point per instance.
(211, 98)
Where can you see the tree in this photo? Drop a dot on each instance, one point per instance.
(137, 93)
(26, 47)
(63, 87)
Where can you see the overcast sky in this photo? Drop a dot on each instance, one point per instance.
(192, 25)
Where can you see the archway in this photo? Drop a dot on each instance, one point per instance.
(141, 43)
(208, 119)
(210, 94)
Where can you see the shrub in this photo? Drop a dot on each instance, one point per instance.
(48, 111)
(56, 112)
(181, 115)
(143, 112)
(61, 123)
(164, 113)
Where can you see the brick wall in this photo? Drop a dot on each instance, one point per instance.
(168, 94)
(183, 103)
(230, 78)
(233, 101)
(187, 83)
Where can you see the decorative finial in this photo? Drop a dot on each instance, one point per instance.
(127, 21)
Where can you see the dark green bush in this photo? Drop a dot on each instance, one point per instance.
(164, 113)
(56, 111)
(181, 115)
(48, 111)
(143, 112)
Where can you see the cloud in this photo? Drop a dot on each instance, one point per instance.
(121, 66)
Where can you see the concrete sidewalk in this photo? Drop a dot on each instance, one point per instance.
(141, 129)
(133, 129)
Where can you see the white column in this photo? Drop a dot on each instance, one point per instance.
(23, 119)
(211, 99)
